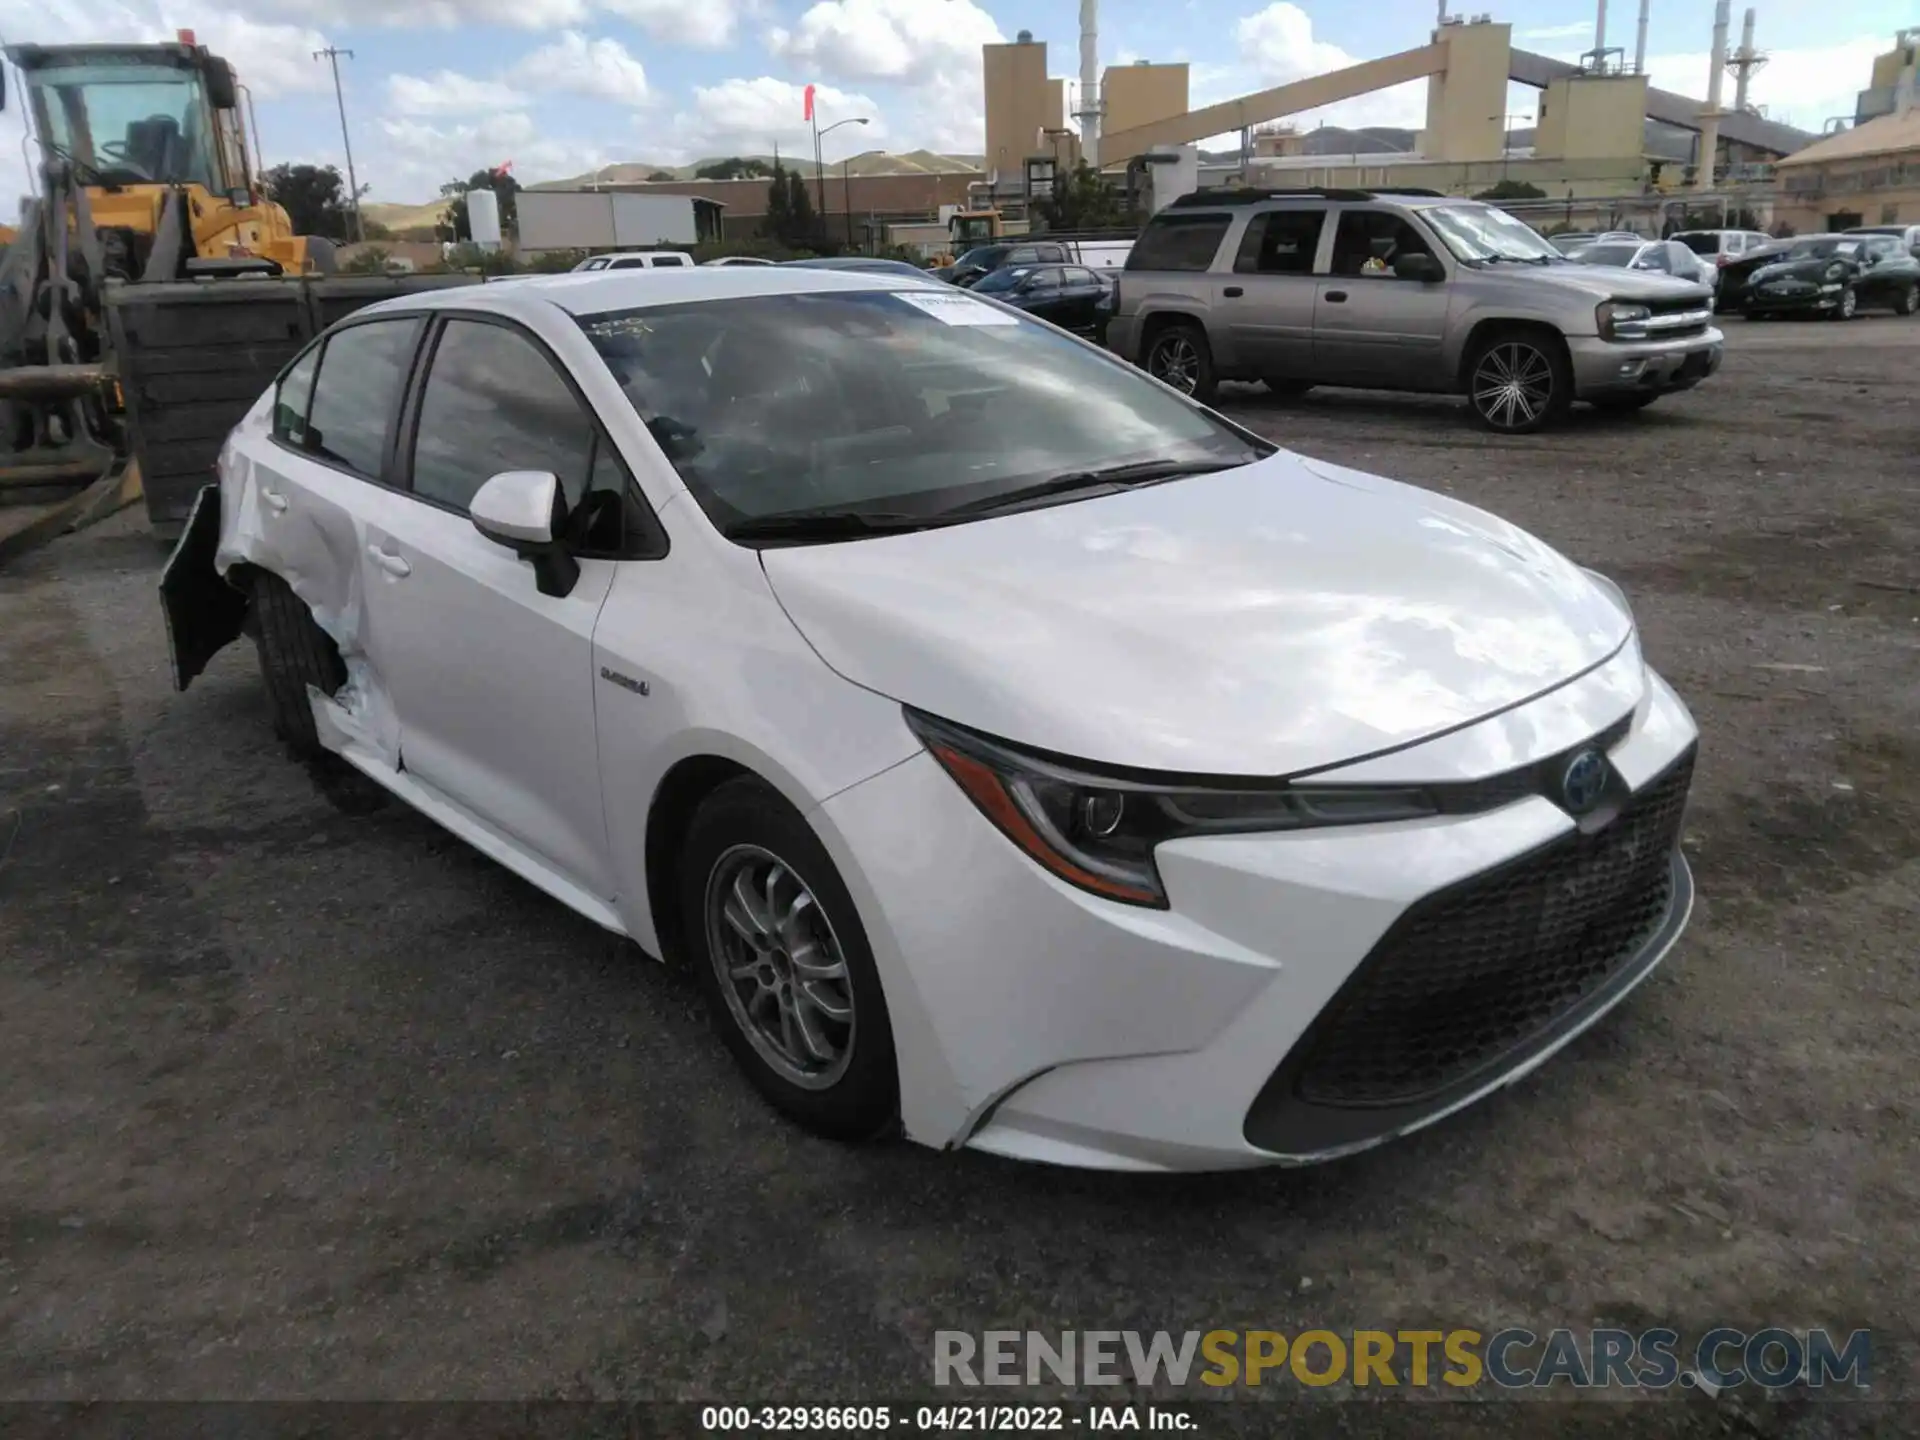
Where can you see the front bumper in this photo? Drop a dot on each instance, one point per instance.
(1610, 367)
(1034, 1020)
(1793, 302)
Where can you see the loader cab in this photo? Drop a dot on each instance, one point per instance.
(132, 115)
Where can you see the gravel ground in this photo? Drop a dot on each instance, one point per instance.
(303, 1098)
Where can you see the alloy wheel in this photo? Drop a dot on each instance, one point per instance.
(1910, 300)
(1176, 362)
(1849, 302)
(1513, 385)
(780, 966)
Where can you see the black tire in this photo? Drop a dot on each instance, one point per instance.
(294, 653)
(1848, 307)
(1907, 301)
(321, 255)
(1538, 365)
(746, 823)
(1287, 388)
(1623, 404)
(1178, 355)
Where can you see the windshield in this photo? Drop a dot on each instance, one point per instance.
(981, 257)
(1480, 232)
(1822, 247)
(1608, 254)
(127, 123)
(884, 402)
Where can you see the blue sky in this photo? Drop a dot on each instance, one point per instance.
(438, 88)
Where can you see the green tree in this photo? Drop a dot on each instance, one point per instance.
(1512, 190)
(659, 175)
(315, 198)
(371, 261)
(779, 225)
(803, 224)
(455, 226)
(1085, 200)
(734, 167)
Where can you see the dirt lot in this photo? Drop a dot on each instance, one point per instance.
(304, 1101)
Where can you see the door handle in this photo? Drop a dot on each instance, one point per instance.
(1233, 292)
(389, 562)
(274, 502)
(1336, 297)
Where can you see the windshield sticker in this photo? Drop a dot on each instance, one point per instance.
(956, 309)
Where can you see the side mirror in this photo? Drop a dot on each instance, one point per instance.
(525, 510)
(1423, 268)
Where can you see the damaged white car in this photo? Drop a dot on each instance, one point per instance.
(1021, 755)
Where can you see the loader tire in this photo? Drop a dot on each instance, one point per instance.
(322, 256)
(294, 653)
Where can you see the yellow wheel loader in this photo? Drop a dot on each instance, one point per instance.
(151, 290)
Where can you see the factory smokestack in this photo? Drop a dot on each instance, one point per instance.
(1600, 38)
(1089, 115)
(1710, 112)
(1640, 40)
(1745, 66)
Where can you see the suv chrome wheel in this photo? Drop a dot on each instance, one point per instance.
(1513, 385)
(1175, 361)
(779, 966)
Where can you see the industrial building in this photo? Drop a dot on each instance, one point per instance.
(1866, 175)
(1589, 139)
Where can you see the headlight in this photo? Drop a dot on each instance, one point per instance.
(1099, 831)
(1621, 319)
(1836, 272)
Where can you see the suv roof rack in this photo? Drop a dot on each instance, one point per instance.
(1242, 196)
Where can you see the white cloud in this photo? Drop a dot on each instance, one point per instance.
(704, 24)
(447, 92)
(440, 14)
(742, 116)
(888, 39)
(1277, 44)
(598, 69)
(420, 156)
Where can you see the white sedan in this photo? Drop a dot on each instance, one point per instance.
(1020, 755)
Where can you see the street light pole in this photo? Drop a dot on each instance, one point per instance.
(846, 188)
(332, 54)
(819, 170)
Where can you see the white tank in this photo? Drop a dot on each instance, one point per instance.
(483, 218)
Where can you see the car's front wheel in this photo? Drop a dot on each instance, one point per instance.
(1908, 300)
(1849, 305)
(1179, 356)
(1518, 381)
(780, 954)
(295, 653)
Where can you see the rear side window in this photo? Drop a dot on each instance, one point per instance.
(628, 265)
(1179, 242)
(493, 402)
(290, 401)
(1281, 242)
(362, 372)
(668, 260)
(1702, 242)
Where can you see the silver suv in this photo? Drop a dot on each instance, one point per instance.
(1400, 291)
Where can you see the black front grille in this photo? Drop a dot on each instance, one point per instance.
(1469, 977)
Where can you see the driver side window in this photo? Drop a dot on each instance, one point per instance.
(493, 401)
(1369, 241)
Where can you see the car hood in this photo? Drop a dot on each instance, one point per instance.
(1267, 620)
(1613, 282)
(1810, 269)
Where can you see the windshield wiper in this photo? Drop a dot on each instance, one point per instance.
(828, 525)
(1138, 473)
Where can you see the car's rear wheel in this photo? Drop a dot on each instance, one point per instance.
(780, 954)
(1907, 301)
(1179, 356)
(295, 653)
(1849, 305)
(1518, 381)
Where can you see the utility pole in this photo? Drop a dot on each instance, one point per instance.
(332, 55)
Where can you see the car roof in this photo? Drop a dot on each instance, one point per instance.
(592, 292)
